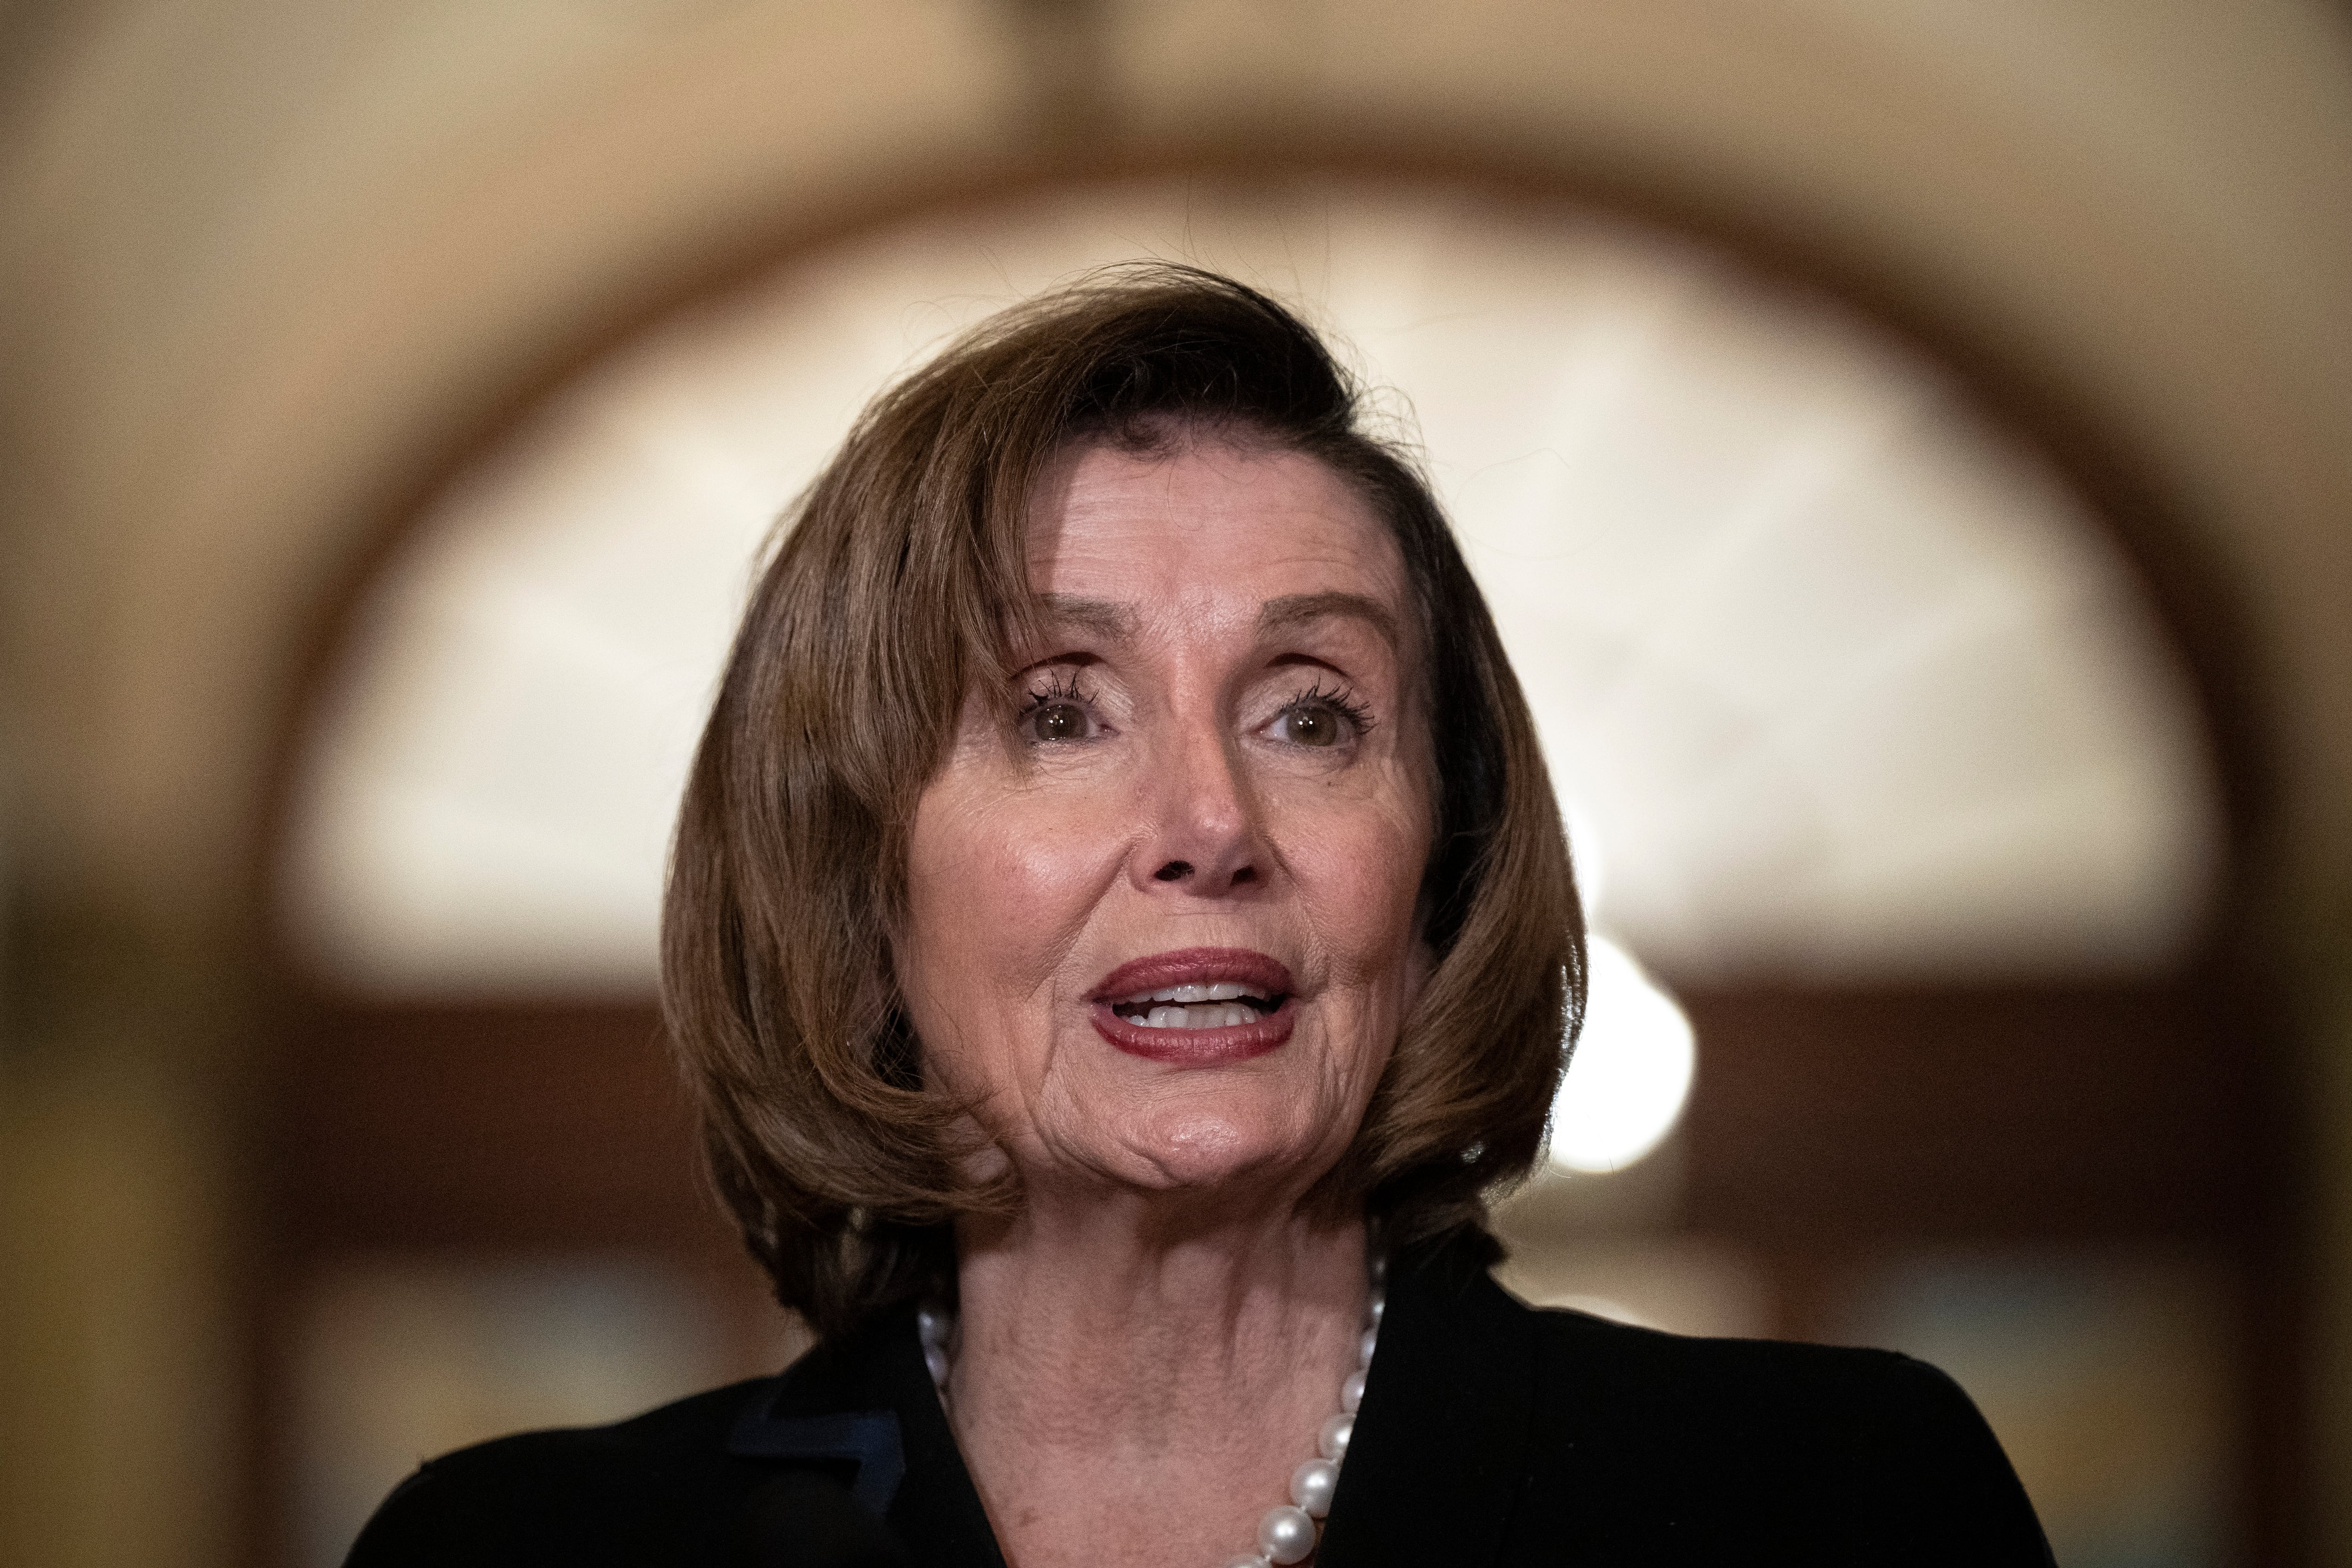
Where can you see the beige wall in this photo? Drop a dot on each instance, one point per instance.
(266, 262)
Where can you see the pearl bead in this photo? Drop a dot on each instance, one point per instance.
(1371, 1339)
(1312, 1484)
(1332, 1443)
(1351, 1391)
(931, 1325)
(1375, 1308)
(1285, 1535)
(937, 1360)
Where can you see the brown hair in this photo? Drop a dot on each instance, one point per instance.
(899, 583)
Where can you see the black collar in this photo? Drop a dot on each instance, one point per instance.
(1441, 1443)
(864, 1404)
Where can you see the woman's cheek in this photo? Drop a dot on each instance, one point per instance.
(1021, 849)
(1360, 871)
(1055, 852)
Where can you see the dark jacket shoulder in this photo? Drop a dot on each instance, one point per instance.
(1841, 1455)
(1543, 1436)
(1490, 1432)
(798, 1467)
(656, 1488)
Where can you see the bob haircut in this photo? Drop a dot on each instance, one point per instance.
(898, 588)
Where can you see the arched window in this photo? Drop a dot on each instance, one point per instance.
(1875, 750)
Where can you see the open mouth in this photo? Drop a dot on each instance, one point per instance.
(1198, 1006)
(1217, 1004)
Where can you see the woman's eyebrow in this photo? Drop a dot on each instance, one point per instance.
(1294, 610)
(1106, 618)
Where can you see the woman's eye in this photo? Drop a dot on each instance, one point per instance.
(1310, 725)
(1057, 722)
(1320, 719)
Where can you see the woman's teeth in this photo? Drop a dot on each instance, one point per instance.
(1223, 1017)
(1217, 1005)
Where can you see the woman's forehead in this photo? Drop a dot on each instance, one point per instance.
(1207, 522)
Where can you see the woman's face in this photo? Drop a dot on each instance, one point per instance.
(1161, 928)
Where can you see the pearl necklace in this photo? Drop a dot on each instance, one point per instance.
(1288, 1532)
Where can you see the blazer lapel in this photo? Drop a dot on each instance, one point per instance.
(1439, 1454)
(867, 1402)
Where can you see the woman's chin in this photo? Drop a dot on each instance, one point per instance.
(1206, 1152)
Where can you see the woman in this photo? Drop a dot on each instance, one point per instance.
(1119, 930)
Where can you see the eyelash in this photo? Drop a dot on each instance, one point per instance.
(1062, 686)
(1344, 702)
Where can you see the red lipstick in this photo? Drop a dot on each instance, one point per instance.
(1260, 976)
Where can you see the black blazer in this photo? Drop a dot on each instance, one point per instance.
(1490, 1433)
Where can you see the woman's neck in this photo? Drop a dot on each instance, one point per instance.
(1127, 1389)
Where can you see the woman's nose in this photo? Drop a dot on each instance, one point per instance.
(1202, 832)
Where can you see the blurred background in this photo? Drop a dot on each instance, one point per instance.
(1908, 447)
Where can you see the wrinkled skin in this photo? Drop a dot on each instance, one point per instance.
(1222, 744)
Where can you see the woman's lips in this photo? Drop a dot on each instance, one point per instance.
(1258, 976)
(1232, 1043)
(1197, 966)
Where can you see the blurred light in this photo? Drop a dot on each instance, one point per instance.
(1632, 1071)
(1850, 679)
